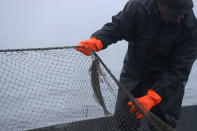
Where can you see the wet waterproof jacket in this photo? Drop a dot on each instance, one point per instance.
(159, 56)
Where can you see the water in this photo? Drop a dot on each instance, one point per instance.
(190, 97)
(46, 23)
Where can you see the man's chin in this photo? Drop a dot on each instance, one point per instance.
(173, 22)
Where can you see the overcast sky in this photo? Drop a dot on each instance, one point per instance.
(49, 23)
(40, 23)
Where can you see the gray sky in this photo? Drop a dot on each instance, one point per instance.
(41, 23)
(49, 23)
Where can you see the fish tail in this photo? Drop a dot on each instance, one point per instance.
(107, 113)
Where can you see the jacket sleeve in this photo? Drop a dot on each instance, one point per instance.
(120, 28)
(177, 72)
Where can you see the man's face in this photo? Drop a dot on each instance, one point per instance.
(174, 19)
(171, 19)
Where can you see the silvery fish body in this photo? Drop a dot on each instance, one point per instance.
(94, 74)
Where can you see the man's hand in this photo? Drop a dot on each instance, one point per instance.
(87, 46)
(145, 103)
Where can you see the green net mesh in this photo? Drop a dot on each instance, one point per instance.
(61, 89)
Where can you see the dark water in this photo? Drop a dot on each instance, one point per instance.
(115, 55)
(47, 23)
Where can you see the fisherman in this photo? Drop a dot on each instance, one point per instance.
(162, 37)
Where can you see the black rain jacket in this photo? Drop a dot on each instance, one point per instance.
(159, 57)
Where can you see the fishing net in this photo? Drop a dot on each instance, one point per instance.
(61, 89)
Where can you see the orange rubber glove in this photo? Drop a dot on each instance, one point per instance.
(145, 103)
(87, 46)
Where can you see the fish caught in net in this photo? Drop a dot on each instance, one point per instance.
(59, 89)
